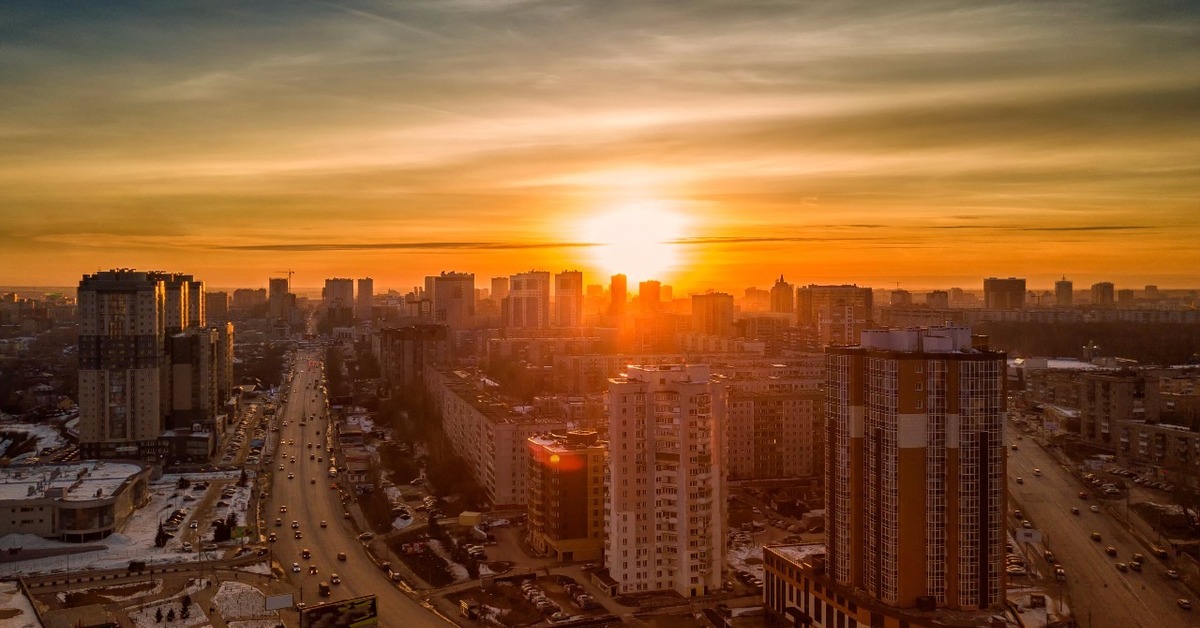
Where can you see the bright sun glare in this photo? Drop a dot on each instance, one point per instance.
(638, 240)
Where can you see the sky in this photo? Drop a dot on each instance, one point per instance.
(721, 144)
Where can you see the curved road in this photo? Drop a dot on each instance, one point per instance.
(310, 503)
(1101, 595)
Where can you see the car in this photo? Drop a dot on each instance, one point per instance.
(281, 467)
(1138, 558)
(1135, 566)
(1027, 525)
(1037, 471)
(324, 524)
(295, 567)
(283, 509)
(1096, 537)
(1074, 511)
(312, 456)
(187, 547)
(291, 476)
(1172, 574)
(313, 481)
(366, 536)
(312, 569)
(1095, 509)
(297, 535)
(1018, 514)
(335, 579)
(1110, 550)
(1020, 480)
(295, 525)
(1083, 495)
(341, 556)
(1184, 603)
(272, 537)
(1122, 567)
(1014, 447)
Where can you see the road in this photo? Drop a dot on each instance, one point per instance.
(1100, 594)
(310, 500)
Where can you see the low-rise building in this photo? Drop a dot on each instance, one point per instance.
(78, 502)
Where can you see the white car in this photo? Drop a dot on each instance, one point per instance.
(295, 567)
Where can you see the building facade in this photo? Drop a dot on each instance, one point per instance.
(566, 494)
(915, 469)
(1003, 294)
(836, 314)
(666, 501)
(122, 317)
(527, 305)
(364, 301)
(568, 299)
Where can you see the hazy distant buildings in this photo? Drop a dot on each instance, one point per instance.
(499, 289)
(618, 292)
(280, 300)
(364, 300)
(937, 299)
(915, 485)
(666, 498)
(900, 298)
(216, 305)
(453, 297)
(1064, 293)
(337, 301)
(528, 303)
(566, 495)
(1103, 294)
(712, 314)
(1003, 294)
(783, 297)
(649, 296)
(836, 314)
(247, 299)
(568, 299)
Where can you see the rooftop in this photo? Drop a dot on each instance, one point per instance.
(79, 481)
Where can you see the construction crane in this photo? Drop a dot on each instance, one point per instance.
(289, 276)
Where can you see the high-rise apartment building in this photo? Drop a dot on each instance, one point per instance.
(364, 301)
(837, 314)
(649, 296)
(775, 420)
(337, 300)
(915, 469)
(937, 299)
(1103, 294)
(619, 292)
(1064, 292)
(216, 306)
(122, 316)
(1003, 294)
(783, 297)
(566, 494)
(666, 499)
(528, 303)
(499, 289)
(279, 298)
(568, 299)
(249, 298)
(712, 314)
(453, 299)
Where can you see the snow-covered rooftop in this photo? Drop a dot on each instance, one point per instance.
(799, 551)
(80, 481)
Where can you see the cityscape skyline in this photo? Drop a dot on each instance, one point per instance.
(846, 142)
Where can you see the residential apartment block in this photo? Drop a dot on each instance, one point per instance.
(566, 494)
(667, 497)
(487, 431)
(914, 469)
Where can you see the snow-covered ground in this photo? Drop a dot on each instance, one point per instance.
(135, 542)
(158, 587)
(262, 568)
(145, 617)
(741, 557)
(12, 598)
(456, 569)
(254, 623)
(47, 436)
(236, 600)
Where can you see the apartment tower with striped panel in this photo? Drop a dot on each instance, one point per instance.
(915, 468)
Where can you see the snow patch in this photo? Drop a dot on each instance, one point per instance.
(11, 597)
(236, 600)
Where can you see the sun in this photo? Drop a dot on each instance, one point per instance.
(639, 240)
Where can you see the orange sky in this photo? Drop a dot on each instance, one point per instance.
(927, 144)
